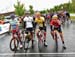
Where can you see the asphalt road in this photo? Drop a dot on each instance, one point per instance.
(69, 37)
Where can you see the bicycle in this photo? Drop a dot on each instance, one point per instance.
(27, 38)
(56, 37)
(40, 36)
(15, 41)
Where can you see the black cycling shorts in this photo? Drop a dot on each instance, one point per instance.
(43, 28)
(58, 29)
(28, 30)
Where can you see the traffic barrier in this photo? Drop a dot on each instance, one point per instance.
(4, 28)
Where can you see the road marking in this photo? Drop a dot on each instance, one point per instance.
(71, 53)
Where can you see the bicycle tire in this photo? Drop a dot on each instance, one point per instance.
(40, 42)
(15, 46)
(56, 40)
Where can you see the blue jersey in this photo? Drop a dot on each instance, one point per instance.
(13, 24)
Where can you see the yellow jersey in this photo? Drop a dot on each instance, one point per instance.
(40, 21)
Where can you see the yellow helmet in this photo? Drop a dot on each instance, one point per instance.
(55, 17)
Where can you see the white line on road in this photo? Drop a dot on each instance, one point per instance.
(71, 53)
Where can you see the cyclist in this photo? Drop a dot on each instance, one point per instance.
(56, 24)
(41, 23)
(20, 24)
(28, 25)
(2, 22)
(14, 28)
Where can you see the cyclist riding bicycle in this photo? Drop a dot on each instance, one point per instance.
(55, 24)
(42, 26)
(14, 28)
(28, 24)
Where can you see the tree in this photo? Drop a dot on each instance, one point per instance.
(43, 11)
(70, 7)
(31, 9)
(2, 17)
(19, 9)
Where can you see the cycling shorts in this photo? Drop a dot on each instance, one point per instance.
(15, 31)
(43, 28)
(58, 29)
(28, 30)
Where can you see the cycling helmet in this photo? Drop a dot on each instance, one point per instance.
(38, 13)
(12, 16)
(55, 17)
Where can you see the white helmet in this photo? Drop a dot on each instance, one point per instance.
(55, 17)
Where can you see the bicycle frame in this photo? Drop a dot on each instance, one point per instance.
(41, 35)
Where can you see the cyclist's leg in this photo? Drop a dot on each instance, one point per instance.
(61, 35)
(13, 32)
(52, 32)
(31, 34)
(45, 42)
(18, 34)
(38, 33)
(44, 28)
(31, 31)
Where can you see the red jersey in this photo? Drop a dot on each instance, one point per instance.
(55, 22)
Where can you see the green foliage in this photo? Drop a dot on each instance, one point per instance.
(31, 9)
(2, 17)
(19, 9)
(66, 6)
(43, 11)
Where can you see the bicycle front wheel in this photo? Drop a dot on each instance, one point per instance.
(14, 43)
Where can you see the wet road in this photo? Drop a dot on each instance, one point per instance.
(69, 37)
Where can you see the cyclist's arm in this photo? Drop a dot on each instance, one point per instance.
(35, 22)
(24, 24)
(10, 28)
(43, 21)
(43, 24)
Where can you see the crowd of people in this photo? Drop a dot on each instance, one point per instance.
(30, 23)
(63, 15)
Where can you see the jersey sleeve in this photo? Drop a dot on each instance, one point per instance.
(59, 22)
(43, 19)
(35, 19)
(31, 18)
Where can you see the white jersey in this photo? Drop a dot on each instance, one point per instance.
(28, 21)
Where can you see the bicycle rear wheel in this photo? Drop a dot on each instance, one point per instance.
(14, 43)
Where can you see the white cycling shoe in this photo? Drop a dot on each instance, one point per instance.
(21, 45)
(45, 44)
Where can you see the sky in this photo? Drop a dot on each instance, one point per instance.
(7, 5)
